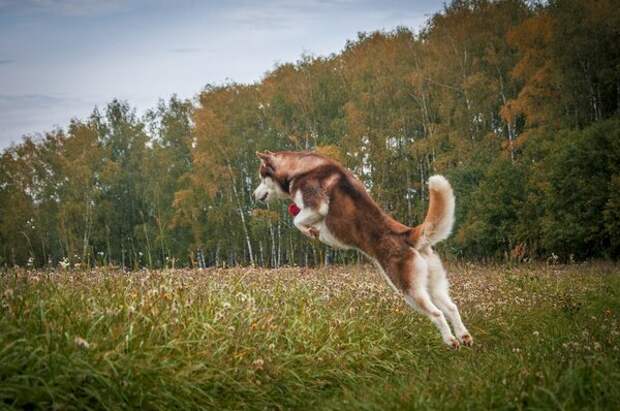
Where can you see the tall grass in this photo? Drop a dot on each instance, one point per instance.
(546, 337)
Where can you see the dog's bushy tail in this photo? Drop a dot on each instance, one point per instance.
(439, 220)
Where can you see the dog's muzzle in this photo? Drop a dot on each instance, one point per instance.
(260, 194)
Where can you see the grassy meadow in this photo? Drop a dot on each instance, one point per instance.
(546, 337)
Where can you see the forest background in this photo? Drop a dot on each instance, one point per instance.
(517, 103)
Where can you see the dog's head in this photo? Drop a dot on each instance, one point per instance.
(271, 186)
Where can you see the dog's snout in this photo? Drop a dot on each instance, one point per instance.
(259, 195)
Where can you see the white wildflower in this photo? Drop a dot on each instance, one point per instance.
(82, 343)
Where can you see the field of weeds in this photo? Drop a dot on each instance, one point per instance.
(546, 337)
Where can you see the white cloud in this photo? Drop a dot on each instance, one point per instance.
(64, 7)
(35, 113)
(186, 50)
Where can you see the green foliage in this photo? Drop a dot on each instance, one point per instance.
(581, 173)
(495, 210)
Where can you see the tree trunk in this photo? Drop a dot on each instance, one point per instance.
(246, 232)
(273, 245)
(279, 246)
(509, 126)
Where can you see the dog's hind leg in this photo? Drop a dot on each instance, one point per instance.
(439, 289)
(415, 275)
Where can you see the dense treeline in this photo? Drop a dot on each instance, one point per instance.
(517, 103)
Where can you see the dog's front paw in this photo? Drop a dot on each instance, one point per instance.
(467, 340)
(313, 233)
(310, 232)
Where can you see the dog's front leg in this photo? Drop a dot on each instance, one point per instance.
(305, 220)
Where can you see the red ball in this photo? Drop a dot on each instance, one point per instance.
(293, 209)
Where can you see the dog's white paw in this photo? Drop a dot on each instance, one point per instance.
(467, 340)
(310, 232)
(453, 343)
(314, 233)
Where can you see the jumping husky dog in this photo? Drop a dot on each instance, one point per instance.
(337, 209)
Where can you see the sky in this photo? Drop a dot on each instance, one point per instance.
(61, 58)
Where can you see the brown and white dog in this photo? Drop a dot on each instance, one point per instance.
(337, 209)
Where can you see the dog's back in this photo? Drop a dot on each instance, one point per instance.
(356, 220)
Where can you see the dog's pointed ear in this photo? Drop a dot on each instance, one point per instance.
(264, 156)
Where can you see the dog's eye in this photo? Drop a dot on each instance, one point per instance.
(266, 171)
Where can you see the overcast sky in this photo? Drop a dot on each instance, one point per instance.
(60, 58)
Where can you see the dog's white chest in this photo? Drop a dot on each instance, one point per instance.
(327, 237)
